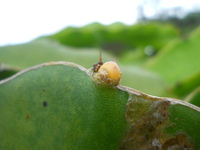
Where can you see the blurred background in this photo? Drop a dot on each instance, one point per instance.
(155, 42)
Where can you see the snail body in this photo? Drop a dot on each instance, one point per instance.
(107, 73)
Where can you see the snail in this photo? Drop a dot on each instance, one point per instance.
(107, 73)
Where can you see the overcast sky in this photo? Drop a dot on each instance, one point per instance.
(24, 20)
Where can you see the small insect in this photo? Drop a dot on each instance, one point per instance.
(107, 73)
(99, 64)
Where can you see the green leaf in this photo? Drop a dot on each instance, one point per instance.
(57, 105)
(179, 59)
(60, 107)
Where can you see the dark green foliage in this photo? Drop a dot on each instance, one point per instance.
(6, 73)
(117, 37)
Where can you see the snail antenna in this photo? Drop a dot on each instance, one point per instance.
(100, 58)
